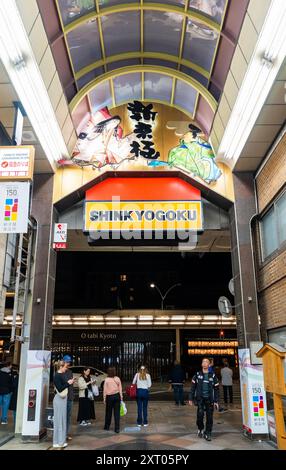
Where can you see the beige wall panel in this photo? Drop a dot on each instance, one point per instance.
(55, 91)
(257, 11)
(38, 39)
(238, 66)
(47, 67)
(248, 38)
(29, 12)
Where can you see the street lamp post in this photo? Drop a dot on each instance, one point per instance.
(163, 296)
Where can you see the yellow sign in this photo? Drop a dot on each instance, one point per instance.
(143, 216)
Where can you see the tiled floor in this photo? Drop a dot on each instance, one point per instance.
(170, 428)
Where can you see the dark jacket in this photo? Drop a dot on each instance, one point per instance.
(177, 375)
(196, 392)
(67, 376)
(5, 383)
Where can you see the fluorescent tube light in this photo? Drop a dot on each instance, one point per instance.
(267, 59)
(19, 61)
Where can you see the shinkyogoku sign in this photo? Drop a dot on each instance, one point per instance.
(123, 216)
(16, 163)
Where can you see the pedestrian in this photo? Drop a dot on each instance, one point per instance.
(205, 393)
(177, 380)
(112, 397)
(14, 394)
(60, 406)
(226, 380)
(69, 375)
(211, 366)
(86, 399)
(5, 391)
(143, 381)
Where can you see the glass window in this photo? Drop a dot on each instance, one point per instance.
(121, 32)
(200, 44)
(101, 97)
(160, 62)
(157, 87)
(196, 75)
(213, 8)
(277, 336)
(84, 45)
(176, 3)
(127, 87)
(71, 10)
(122, 63)
(162, 32)
(185, 96)
(281, 214)
(110, 3)
(269, 233)
(89, 77)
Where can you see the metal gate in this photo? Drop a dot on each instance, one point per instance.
(125, 356)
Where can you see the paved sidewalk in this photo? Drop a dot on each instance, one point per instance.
(171, 428)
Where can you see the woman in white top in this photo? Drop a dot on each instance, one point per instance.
(143, 381)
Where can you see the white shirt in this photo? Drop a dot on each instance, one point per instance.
(226, 376)
(142, 383)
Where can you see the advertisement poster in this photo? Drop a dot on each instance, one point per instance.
(60, 236)
(16, 163)
(36, 392)
(253, 396)
(14, 207)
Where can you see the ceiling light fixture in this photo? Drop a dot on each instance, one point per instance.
(19, 61)
(267, 59)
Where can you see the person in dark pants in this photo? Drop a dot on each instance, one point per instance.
(143, 381)
(112, 397)
(14, 389)
(205, 391)
(5, 391)
(226, 380)
(85, 398)
(177, 380)
(68, 375)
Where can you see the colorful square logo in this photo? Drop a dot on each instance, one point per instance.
(11, 210)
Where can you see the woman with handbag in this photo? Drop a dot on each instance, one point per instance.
(86, 398)
(112, 397)
(143, 381)
(60, 406)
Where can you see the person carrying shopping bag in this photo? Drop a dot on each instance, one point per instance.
(112, 397)
(143, 382)
(86, 398)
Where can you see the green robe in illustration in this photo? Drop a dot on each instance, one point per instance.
(197, 157)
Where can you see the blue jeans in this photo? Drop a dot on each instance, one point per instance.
(178, 394)
(69, 414)
(4, 405)
(142, 405)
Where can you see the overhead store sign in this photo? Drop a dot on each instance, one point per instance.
(14, 207)
(143, 204)
(143, 215)
(17, 163)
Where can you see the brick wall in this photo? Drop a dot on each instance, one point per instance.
(273, 176)
(271, 275)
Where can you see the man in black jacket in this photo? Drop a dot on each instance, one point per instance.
(205, 391)
(177, 379)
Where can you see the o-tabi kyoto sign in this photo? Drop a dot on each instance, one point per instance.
(16, 163)
(14, 207)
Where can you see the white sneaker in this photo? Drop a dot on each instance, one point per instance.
(83, 423)
(65, 445)
(4, 422)
(145, 425)
(56, 446)
(88, 422)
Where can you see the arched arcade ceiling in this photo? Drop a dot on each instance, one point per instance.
(176, 52)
